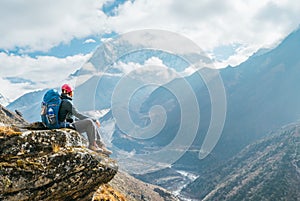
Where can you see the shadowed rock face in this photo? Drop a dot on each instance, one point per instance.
(8, 117)
(266, 170)
(50, 165)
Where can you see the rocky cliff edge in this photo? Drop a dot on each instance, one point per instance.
(48, 164)
(56, 165)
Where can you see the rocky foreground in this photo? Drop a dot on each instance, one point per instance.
(56, 165)
(50, 165)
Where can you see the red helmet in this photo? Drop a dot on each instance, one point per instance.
(67, 88)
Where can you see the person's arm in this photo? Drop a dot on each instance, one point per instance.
(78, 114)
(82, 116)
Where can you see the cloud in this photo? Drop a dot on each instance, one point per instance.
(152, 71)
(41, 72)
(253, 24)
(32, 25)
(40, 25)
(89, 41)
(16, 80)
(35, 25)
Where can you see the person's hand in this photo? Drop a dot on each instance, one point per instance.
(98, 123)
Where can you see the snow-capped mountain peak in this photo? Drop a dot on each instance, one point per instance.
(3, 100)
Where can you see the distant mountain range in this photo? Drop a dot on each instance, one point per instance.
(266, 170)
(29, 105)
(261, 94)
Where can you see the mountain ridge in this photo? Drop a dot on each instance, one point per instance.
(266, 170)
(261, 97)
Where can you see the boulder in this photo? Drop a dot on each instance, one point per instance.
(50, 165)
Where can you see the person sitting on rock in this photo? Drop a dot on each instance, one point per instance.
(66, 117)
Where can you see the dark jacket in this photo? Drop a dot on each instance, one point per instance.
(68, 111)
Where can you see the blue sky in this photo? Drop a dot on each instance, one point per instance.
(83, 45)
(45, 39)
(75, 46)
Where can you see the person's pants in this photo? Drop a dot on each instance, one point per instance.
(88, 126)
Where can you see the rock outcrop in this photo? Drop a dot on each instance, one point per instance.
(8, 117)
(136, 190)
(56, 165)
(48, 164)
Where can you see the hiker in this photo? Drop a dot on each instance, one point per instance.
(66, 115)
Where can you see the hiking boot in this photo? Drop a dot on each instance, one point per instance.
(99, 143)
(102, 146)
(100, 150)
(106, 151)
(94, 148)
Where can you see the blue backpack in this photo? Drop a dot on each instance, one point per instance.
(50, 108)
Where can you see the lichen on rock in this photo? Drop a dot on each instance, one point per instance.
(51, 165)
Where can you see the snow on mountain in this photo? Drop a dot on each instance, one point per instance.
(96, 113)
(262, 95)
(121, 64)
(130, 56)
(29, 105)
(3, 100)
